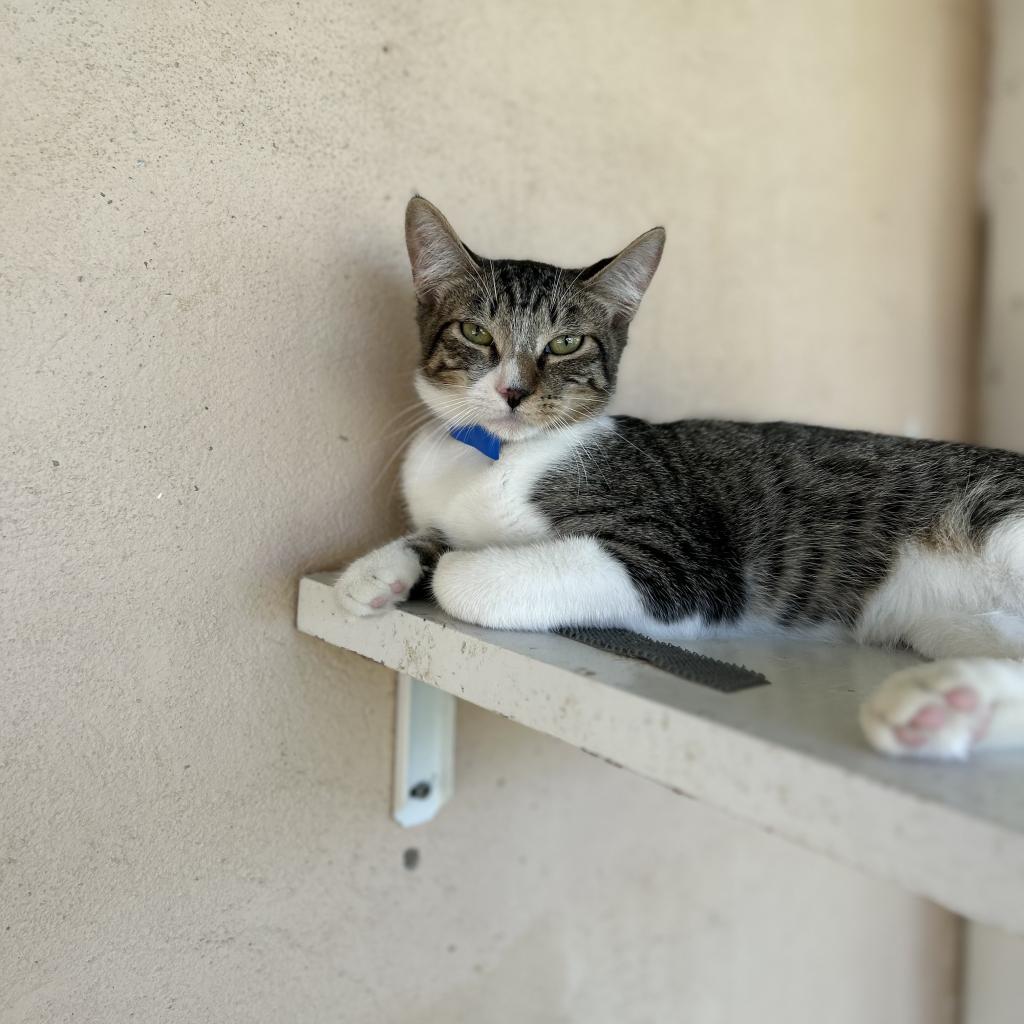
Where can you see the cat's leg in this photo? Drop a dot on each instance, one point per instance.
(966, 609)
(947, 709)
(385, 576)
(962, 702)
(559, 582)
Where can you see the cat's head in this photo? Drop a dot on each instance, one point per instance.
(516, 346)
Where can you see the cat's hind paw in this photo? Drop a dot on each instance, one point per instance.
(942, 709)
(377, 581)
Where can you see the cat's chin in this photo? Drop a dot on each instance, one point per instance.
(511, 428)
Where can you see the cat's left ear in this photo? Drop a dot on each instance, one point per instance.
(620, 282)
(435, 251)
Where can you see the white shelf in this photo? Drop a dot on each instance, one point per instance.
(788, 757)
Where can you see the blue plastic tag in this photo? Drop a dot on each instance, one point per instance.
(480, 439)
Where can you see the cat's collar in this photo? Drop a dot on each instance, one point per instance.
(479, 438)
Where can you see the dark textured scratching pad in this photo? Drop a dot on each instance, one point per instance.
(697, 668)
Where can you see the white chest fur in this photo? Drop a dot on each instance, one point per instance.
(475, 501)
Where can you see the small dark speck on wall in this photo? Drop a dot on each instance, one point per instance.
(385, 48)
(55, 463)
(411, 858)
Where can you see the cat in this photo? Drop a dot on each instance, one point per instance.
(533, 509)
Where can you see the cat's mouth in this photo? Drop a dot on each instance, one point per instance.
(511, 425)
(528, 421)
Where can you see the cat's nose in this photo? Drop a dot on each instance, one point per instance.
(513, 396)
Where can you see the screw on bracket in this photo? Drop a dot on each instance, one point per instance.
(424, 751)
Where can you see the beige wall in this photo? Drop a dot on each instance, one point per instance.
(994, 975)
(206, 339)
(1003, 358)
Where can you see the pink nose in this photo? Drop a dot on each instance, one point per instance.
(514, 395)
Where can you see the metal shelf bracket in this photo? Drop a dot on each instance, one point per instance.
(424, 776)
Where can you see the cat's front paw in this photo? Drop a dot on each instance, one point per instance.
(487, 588)
(377, 581)
(460, 586)
(941, 709)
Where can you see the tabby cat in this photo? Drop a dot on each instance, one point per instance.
(533, 509)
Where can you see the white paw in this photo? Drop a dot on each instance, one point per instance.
(495, 587)
(481, 587)
(375, 582)
(942, 709)
(460, 586)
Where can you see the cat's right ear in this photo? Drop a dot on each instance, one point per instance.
(620, 282)
(435, 251)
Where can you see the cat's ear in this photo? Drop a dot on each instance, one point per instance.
(435, 251)
(620, 282)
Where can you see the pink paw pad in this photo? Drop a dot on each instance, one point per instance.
(910, 737)
(962, 698)
(931, 717)
(378, 602)
(398, 587)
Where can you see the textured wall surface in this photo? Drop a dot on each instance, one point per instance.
(1003, 357)
(207, 330)
(994, 975)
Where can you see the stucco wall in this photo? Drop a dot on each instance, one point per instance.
(994, 976)
(1003, 184)
(206, 331)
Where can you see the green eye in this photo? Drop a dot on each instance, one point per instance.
(475, 333)
(565, 345)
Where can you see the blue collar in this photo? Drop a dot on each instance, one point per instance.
(480, 439)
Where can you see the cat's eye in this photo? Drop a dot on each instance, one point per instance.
(475, 333)
(565, 345)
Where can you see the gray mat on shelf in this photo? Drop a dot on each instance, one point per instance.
(697, 668)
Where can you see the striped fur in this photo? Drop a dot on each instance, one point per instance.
(693, 527)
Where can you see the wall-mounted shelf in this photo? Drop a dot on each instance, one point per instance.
(787, 757)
